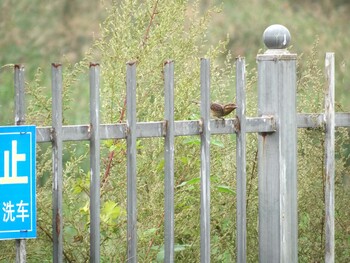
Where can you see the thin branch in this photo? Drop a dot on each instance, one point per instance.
(156, 234)
(48, 234)
(122, 113)
(148, 29)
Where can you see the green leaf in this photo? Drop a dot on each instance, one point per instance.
(217, 143)
(150, 231)
(192, 140)
(225, 189)
(194, 116)
(160, 255)
(189, 182)
(110, 211)
(108, 143)
(177, 248)
(160, 166)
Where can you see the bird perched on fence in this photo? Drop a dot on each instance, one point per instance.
(220, 110)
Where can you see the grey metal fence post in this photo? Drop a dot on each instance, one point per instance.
(131, 161)
(57, 146)
(95, 162)
(241, 163)
(205, 160)
(277, 167)
(169, 162)
(21, 254)
(329, 158)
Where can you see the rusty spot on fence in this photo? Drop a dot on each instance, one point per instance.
(168, 61)
(58, 223)
(127, 130)
(263, 134)
(56, 65)
(20, 122)
(200, 123)
(165, 127)
(93, 64)
(53, 135)
(89, 130)
(131, 63)
(237, 124)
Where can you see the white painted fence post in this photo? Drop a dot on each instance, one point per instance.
(277, 169)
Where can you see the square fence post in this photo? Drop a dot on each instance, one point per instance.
(57, 150)
(95, 168)
(277, 167)
(21, 254)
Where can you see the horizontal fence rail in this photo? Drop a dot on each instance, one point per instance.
(186, 128)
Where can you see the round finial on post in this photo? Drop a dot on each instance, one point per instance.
(276, 37)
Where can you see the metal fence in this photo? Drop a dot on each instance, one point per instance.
(276, 124)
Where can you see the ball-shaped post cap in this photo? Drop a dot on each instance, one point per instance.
(276, 37)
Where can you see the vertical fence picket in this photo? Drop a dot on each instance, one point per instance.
(57, 220)
(19, 95)
(94, 162)
(241, 161)
(205, 161)
(329, 158)
(169, 162)
(20, 120)
(131, 161)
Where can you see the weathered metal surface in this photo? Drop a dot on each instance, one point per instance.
(329, 158)
(131, 161)
(277, 169)
(205, 161)
(241, 162)
(169, 157)
(342, 119)
(187, 128)
(19, 83)
(155, 129)
(21, 253)
(317, 120)
(19, 95)
(94, 162)
(313, 120)
(276, 37)
(57, 146)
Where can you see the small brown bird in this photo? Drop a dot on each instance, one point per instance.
(219, 111)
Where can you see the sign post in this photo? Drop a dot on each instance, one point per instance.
(17, 182)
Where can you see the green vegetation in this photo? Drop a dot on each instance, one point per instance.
(151, 32)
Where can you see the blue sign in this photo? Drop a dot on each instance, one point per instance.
(17, 182)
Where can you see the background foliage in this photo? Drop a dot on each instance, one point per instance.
(151, 32)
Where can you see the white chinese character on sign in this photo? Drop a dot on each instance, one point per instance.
(21, 211)
(8, 212)
(15, 158)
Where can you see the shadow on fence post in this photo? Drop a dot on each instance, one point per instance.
(277, 169)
